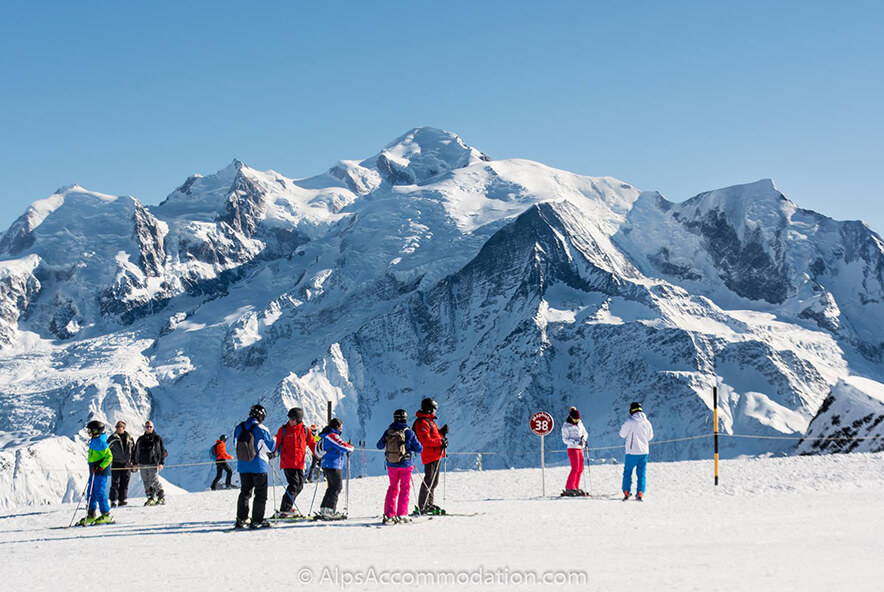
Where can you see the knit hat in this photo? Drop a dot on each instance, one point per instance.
(573, 413)
(634, 408)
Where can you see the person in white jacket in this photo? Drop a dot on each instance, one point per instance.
(637, 432)
(575, 436)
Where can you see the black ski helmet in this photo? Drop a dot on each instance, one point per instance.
(634, 408)
(258, 412)
(223, 438)
(400, 415)
(95, 427)
(297, 414)
(336, 423)
(429, 405)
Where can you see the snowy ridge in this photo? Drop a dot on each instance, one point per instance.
(498, 287)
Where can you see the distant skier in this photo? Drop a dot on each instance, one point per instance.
(150, 454)
(575, 436)
(434, 440)
(253, 444)
(637, 432)
(313, 471)
(100, 459)
(334, 451)
(292, 441)
(122, 446)
(398, 443)
(221, 457)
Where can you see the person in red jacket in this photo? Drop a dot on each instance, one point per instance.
(292, 441)
(434, 440)
(221, 458)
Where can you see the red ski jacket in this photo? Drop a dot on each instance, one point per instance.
(428, 435)
(291, 445)
(221, 451)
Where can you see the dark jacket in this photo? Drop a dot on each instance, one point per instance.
(412, 444)
(149, 450)
(122, 446)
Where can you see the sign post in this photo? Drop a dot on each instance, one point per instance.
(542, 424)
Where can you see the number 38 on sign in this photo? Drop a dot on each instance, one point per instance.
(542, 423)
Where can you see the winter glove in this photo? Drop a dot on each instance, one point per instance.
(444, 430)
(444, 443)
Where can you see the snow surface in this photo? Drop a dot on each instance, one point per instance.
(798, 523)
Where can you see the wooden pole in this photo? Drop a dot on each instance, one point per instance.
(715, 427)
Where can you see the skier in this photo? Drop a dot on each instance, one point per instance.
(253, 444)
(574, 435)
(398, 442)
(637, 432)
(434, 441)
(313, 471)
(335, 449)
(150, 453)
(292, 441)
(221, 458)
(100, 459)
(122, 446)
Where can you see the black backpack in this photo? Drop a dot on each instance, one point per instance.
(245, 444)
(394, 446)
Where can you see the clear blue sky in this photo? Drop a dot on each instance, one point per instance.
(681, 97)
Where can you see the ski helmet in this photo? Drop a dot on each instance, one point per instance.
(95, 427)
(429, 405)
(258, 412)
(297, 414)
(336, 423)
(634, 408)
(400, 415)
(223, 438)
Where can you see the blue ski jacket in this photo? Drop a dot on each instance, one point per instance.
(412, 444)
(263, 446)
(335, 450)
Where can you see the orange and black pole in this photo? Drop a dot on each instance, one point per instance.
(715, 427)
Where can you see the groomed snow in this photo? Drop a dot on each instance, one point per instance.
(797, 523)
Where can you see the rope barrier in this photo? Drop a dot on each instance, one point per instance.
(489, 453)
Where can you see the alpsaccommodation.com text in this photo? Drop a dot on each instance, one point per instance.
(343, 578)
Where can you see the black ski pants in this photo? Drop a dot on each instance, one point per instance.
(295, 478)
(119, 489)
(428, 485)
(335, 484)
(222, 466)
(248, 482)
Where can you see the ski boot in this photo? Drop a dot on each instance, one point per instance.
(123, 503)
(241, 524)
(625, 495)
(436, 510)
(150, 502)
(161, 501)
(257, 525)
(390, 520)
(403, 519)
(329, 514)
(88, 520)
(581, 493)
(104, 519)
(638, 496)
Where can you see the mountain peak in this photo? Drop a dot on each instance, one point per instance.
(423, 153)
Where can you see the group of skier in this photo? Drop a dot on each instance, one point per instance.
(116, 456)
(636, 431)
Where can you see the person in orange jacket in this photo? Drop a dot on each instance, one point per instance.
(434, 440)
(221, 458)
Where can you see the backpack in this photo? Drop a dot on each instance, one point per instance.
(213, 451)
(245, 444)
(394, 448)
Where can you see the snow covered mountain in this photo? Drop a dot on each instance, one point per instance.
(498, 287)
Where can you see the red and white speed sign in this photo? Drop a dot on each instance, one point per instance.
(542, 423)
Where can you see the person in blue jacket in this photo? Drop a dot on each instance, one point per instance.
(99, 459)
(399, 444)
(335, 451)
(253, 444)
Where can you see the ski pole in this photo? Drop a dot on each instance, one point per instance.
(82, 495)
(276, 518)
(444, 474)
(315, 489)
(347, 490)
(589, 472)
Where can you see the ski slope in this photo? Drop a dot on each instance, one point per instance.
(794, 523)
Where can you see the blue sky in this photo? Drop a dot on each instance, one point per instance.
(680, 97)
